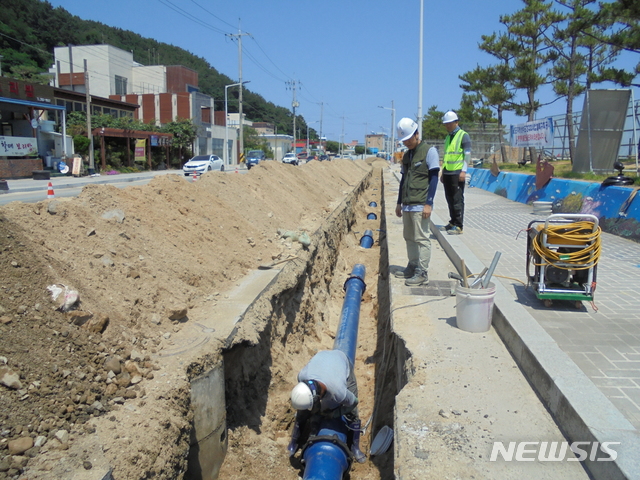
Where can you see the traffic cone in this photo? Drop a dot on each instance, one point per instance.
(50, 193)
(195, 176)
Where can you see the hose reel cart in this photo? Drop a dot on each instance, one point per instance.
(563, 253)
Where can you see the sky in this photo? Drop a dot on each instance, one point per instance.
(347, 58)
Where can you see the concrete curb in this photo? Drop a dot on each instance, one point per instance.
(579, 408)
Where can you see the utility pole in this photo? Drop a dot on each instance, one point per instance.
(392, 134)
(393, 129)
(71, 67)
(342, 138)
(92, 166)
(421, 54)
(366, 129)
(293, 85)
(321, 111)
(239, 35)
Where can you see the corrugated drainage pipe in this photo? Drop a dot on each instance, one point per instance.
(327, 456)
(367, 239)
(372, 216)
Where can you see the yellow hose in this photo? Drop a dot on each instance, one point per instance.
(577, 233)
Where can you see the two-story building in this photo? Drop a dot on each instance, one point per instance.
(162, 93)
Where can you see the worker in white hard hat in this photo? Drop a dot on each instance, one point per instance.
(327, 388)
(457, 155)
(418, 185)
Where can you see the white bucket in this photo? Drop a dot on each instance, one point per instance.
(474, 308)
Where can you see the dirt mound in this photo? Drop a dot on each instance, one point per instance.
(140, 258)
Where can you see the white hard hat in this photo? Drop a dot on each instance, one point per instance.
(449, 117)
(302, 397)
(406, 128)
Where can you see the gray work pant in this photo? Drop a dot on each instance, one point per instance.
(416, 234)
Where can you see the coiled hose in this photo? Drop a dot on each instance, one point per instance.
(577, 233)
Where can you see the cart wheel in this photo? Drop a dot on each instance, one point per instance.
(548, 303)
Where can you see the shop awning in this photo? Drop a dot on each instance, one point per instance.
(29, 103)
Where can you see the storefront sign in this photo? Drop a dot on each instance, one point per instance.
(140, 155)
(538, 133)
(18, 146)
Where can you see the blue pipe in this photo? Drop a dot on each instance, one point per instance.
(367, 239)
(327, 456)
(372, 216)
(373, 204)
(347, 334)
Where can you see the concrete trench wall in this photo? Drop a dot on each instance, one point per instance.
(285, 309)
(290, 306)
(395, 368)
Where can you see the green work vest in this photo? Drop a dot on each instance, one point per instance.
(453, 154)
(416, 176)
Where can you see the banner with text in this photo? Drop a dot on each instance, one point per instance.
(140, 154)
(18, 146)
(538, 133)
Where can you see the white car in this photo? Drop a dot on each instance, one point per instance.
(203, 163)
(290, 158)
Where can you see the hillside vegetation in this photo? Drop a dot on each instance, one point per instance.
(30, 29)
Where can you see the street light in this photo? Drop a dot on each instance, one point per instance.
(226, 121)
(393, 127)
(308, 153)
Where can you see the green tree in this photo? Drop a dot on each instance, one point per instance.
(579, 59)
(624, 18)
(333, 146)
(432, 127)
(525, 46)
(253, 141)
(488, 88)
(29, 73)
(184, 134)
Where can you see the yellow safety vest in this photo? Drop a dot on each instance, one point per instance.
(453, 154)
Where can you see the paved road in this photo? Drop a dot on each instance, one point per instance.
(30, 191)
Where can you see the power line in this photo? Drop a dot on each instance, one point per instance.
(265, 54)
(187, 15)
(212, 14)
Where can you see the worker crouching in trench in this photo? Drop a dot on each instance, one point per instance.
(327, 388)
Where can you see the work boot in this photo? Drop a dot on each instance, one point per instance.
(455, 231)
(446, 228)
(292, 448)
(355, 444)
(420, 277)
(406, 273)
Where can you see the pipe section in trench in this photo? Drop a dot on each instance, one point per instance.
(367, 239)
(327, 456)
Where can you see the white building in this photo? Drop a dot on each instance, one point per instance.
(163, 93)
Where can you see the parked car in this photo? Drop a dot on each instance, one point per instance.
(254, 157)
(311, 157)
(203, 163)
(324, 158)
(290, 158)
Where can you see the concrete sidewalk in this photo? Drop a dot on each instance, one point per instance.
(583, 365)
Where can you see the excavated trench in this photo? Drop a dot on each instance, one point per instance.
(296, 315)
